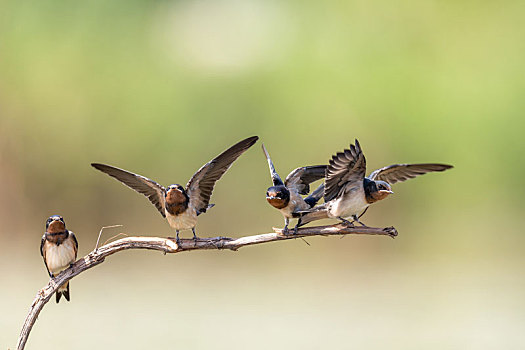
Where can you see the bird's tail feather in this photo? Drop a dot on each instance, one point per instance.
(317, 213)
(63, 290)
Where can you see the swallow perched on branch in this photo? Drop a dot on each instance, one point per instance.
(286, 196)
(59, 249)
(348, 192)
(179, 205)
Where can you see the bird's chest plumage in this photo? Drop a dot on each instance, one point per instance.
(58, 257)
(183, 221)
(352, 202)
(295, 204)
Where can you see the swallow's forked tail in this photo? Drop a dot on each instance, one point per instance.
(63, 290)
(313, 214)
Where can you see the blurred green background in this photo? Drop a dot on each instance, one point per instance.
(161, 87)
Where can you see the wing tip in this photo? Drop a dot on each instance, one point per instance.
(249, 141)
(241, 146)
(265, 151)
(440, 166)
(101, 167)
(253, 138)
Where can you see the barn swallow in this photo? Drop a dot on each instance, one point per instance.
(179, 205)
(59, 248)
(286, 196)
(348, 192)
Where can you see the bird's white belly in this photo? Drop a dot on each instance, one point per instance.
(185, 221)
(347, 206)
(59, 257)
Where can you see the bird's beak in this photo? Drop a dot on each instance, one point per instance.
(387, 191)
(271, 197)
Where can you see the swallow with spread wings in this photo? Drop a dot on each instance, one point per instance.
(181, 206)
(286, 196)
(348, 192)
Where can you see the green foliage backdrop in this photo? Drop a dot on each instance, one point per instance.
(161, 87)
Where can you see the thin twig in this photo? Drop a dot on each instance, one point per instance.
(305, 241)
(115, 236)
(168, 245)
(100, 233)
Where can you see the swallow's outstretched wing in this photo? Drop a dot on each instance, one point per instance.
(200, 186)
(300, 178)
(345, 170)
(276, 179)
(43, 253)
(402, 172)
(141, 184)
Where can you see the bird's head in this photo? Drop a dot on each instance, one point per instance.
(175, 194)
(55, 224)
(278, 196)
(382, 190)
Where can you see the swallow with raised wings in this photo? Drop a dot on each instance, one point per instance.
(286, 196)
(348, 192)
(59, 249)
(181, 206)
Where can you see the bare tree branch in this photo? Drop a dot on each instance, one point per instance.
(168, 245)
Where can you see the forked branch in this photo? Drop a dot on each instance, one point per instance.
(168, 245)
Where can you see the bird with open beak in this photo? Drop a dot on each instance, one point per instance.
(349, 193)
(286, 196)
(59, 249)
(181, 206)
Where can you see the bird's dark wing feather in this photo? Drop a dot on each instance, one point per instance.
(76, 242)
(315, 196)
(276, 179)
(200, 186)
(43, 253)
(402, 172)
(300, 178)
(346, 168)
(141, 184)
